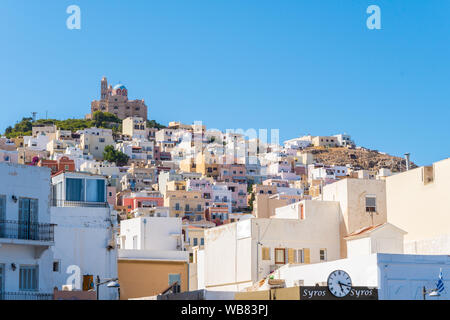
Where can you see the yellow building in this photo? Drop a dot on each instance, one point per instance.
(144, 278)
(417, 202)
(151, 257)
(185, 203)
(176, 185)
(325, 141)
(207, 165)
(188, 165)
(362, 204)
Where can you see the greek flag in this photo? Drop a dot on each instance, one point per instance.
(440, 283)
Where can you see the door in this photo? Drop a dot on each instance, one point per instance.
(2, 216)
(175, 278)
(2, 280)
(28, 217)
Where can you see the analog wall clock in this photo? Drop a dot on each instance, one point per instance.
(339, 283)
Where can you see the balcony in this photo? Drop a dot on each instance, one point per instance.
(25, 296)
(16, 230)
(67, 203)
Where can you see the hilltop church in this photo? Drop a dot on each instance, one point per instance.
(115, 100)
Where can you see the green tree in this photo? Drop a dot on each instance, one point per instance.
(112, 155)
(154, 124)
(104, 119)
(250, 202)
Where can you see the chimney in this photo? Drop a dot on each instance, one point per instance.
(407, 161)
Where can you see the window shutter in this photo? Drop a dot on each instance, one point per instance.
(291, 256)
(265, 253)
(307, 256)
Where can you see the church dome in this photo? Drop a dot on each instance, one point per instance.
(119, 86)
(120, 90)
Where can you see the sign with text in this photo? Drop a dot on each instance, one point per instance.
(322, 293)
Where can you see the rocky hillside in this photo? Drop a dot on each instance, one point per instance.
(362, 158)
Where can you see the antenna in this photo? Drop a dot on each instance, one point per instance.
(407, 156)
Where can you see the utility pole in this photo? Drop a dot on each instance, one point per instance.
(257, 255)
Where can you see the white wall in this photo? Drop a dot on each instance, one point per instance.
(386, 239)
(29, 182)
(397, 276)
(230, 250)
(421, 209)
(81, 239)
(153, 233)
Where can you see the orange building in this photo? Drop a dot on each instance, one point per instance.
(63, 164)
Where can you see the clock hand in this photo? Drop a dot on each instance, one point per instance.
(343, 284)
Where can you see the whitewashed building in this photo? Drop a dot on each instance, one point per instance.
(84, 232)
(396, 276)
(241, 253)
(26, 233)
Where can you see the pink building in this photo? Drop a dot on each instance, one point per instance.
(233, 173)
(143, 199)
(238, 193)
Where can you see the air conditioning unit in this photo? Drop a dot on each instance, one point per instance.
(67, 287)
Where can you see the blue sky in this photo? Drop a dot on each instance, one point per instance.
(298, 66)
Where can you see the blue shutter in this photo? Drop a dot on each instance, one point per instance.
(74, 189)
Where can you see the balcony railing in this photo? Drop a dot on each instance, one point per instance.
(67, 203)
(26, 231)
(25, 296)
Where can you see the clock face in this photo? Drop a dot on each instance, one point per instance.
(339, 283)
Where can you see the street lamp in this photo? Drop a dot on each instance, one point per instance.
(431, 293)
(110, 283)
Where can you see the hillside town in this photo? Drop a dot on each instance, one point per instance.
(127, 208)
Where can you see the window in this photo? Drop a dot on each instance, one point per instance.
(202, 241)
(280, 256)
(428, 174)
(323, 254)
(28, 278)
(199, 207)
(135, 242)
(95, 190)
(195, 241)
(28, 217)
(371, 202)
(299, 256)
(175, 278)
(56, 266)
(74, 189)
(265, 253)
